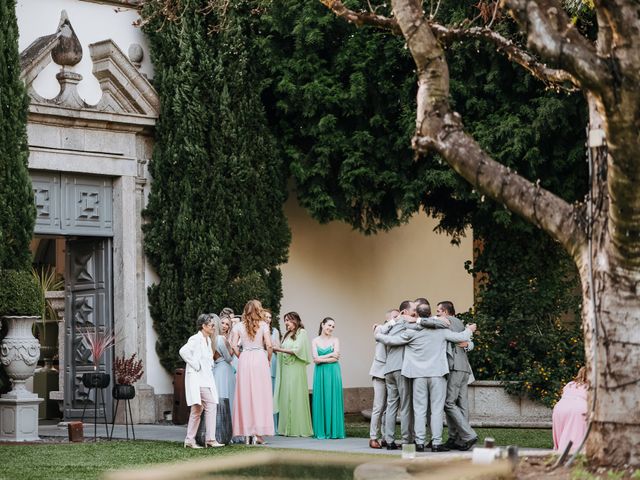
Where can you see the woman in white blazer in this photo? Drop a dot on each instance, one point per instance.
(200, 387)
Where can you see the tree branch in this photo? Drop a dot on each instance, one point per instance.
(446, 35)
(556, 77)
(551, 34)
(362, 18)
(532, 202)
(441, 129)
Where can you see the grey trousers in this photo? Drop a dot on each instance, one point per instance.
(456, 407)
(429, 391)
(378, 411)
(398, 400)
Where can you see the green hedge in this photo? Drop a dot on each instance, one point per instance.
(19, 294)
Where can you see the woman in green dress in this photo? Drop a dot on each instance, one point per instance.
(291, 396)
(328, 404)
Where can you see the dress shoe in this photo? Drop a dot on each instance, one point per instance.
(392, 446)
(214, 444)
(439, 448)
(383, 443)
(373, 443)
(419, 447)
(450, 444)
(464, 446)
(191, 445)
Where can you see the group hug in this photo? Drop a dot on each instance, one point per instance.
(421, 372)
(263, 375)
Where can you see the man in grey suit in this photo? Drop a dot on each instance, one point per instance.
(379, 389)
(456, 407)
(398, 387)
(425, 362)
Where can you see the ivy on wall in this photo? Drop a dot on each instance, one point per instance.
(342, 101)
(332, 107)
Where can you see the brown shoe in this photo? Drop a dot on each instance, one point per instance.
(374, 444)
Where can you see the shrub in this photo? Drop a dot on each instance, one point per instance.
(19, 294)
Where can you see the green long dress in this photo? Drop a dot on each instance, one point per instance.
(328, 404)
(291, 397)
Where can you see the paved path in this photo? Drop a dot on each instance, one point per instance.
(176, 433)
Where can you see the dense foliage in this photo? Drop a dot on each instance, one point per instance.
(342, 101)
(215, 214)
(16, 198)
(17, 210)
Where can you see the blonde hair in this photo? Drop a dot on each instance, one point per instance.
(581, 376)
(252, 316)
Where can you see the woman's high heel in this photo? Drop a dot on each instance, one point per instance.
(191, 445)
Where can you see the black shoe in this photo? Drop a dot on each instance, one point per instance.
(464, 446)
(419, 447)
(439, 448)
(383, 443)
(392, 446)
(450, 444)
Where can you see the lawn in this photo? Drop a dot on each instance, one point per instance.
(87, 461)
(358, 426)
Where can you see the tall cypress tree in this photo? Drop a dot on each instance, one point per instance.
(216, 223)
(17, 210)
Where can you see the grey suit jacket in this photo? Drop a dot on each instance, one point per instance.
(395, 353)
(457, 355)
(379, 359)
(425, 354)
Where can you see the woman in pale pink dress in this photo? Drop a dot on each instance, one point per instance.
(570, 414)
(253, 405)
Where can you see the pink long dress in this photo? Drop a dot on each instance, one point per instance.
(253, 405)
(570, 417)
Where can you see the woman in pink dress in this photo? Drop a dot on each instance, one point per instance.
(570, 413)
(253, 405)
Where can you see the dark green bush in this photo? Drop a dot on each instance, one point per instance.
(19, 294)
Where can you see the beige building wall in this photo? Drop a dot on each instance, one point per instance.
(335, 271)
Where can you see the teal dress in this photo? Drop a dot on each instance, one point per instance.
(328, 404)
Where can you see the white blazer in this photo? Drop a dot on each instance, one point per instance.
(198, 355)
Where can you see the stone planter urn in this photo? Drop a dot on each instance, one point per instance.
(19, 354)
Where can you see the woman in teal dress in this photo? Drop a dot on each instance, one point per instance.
(328, 404)
(291, 396)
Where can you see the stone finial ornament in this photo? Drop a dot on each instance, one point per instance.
(68, 50)
(136, 54)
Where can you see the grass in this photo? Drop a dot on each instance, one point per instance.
(87, 461)
(357, 426)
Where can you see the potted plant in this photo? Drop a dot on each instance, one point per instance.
(50, 283)
(98, 343)
(127, 372)
(20, 306)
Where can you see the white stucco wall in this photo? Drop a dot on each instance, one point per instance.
(337, 272)
(92, 22)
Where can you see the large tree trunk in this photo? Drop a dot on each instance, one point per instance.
(611, 321)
